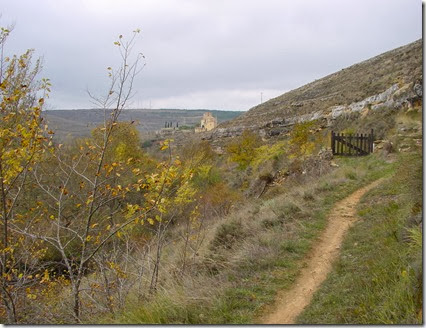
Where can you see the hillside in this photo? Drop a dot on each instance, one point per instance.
(196, 228)
(80, 122)
(385, 80)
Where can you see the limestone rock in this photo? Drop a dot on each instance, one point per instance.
(418, 89)
(325, 154)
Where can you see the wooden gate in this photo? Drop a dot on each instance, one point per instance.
(352, 144)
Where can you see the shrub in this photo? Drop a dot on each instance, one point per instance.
(243, 149)
(227, 234)
(301, 143)
(308, 196)
(219, 198)
(266, 153)
(351, 175)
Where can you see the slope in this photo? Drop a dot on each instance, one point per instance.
(319, 262)
(401, 67)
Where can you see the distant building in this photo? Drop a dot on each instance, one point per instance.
(208, 122)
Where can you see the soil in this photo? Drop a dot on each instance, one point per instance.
(290, 303)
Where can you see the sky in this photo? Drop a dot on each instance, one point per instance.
(210, 54)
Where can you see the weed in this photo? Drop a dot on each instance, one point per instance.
(351, 175)
(258, 250)
(270, 223)
(378, 278)
(295, 246)
(308, 196)
(227, 234)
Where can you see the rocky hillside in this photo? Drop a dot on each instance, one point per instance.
(392, 79)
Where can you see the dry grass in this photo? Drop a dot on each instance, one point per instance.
(263, 240)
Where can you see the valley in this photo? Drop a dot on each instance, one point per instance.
(130, 216)
(74, 123)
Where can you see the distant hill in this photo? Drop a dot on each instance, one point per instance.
(382, 81)
(79, 122)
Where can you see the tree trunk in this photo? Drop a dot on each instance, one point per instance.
(9, 304)
(77, 303)
(154, 277)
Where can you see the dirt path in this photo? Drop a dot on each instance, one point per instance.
(290, 303)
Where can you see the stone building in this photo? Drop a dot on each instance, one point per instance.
(208, 122)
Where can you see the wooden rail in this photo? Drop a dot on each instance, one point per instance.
(352, 144)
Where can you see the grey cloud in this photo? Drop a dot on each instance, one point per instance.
(202, 47)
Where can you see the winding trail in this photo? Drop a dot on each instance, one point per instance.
(290, 303)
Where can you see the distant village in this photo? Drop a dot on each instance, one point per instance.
(207, 123)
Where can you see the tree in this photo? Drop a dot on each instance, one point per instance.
(90, 204)
(22, 143)
(77, 219)
(300, 141)
(243, 149)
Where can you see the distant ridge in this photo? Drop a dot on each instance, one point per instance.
(79, 122)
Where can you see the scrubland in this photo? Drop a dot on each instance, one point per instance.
(99, 230)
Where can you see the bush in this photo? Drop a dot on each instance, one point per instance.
(243, 149)
(227, 234)
(219, 198)
(351, 175)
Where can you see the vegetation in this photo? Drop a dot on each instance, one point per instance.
(97, 230)
(352, 84)
(255, 251)
(378, 279)
(77, 123)
(22, 145)
(242, 149)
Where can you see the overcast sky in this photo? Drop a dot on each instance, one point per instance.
(217, 54)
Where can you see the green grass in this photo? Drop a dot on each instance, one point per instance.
(280, 271)
(247, 280)
(377, 279)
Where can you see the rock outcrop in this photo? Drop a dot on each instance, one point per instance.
(390, 80)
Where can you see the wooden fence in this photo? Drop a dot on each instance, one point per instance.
(352, 144)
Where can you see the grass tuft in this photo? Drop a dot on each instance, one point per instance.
(378, 278)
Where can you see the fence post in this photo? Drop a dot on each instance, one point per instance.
(350, 143)
(357, 144)
(332, 143)
(371, 141)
